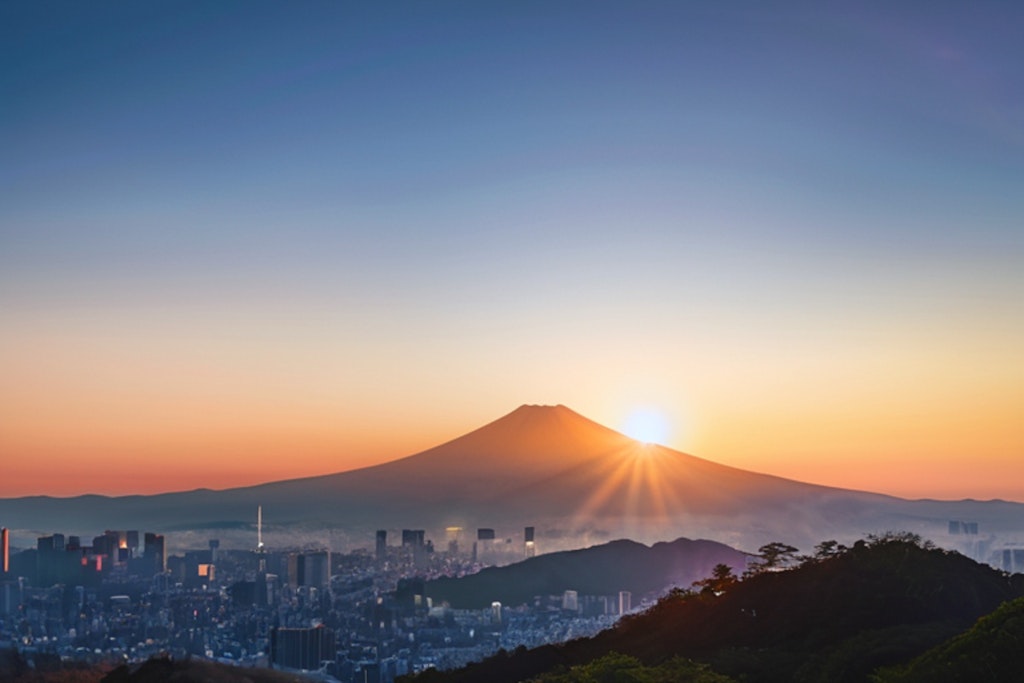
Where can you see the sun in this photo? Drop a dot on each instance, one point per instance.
(647, 425)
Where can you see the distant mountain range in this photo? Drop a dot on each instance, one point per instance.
(599, 570)
(576, 481)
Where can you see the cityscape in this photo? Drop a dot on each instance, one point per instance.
(358, 616)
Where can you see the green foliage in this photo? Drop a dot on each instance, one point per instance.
(619, 668)
(992, 650)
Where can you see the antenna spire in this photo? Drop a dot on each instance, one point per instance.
(259, 539)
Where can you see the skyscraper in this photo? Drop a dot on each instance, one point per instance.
(382, 545)
(260, 550)
(6, 543)
(452, 535)
(413, 537)
(153, 549)
(317, 569)
(625, 602)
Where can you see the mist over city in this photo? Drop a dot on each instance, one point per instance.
(549, 342)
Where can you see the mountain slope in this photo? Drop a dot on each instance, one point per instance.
(544, 466)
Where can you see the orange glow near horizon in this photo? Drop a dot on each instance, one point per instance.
(898, 455)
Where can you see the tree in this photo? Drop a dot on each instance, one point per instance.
(721, 579)
(827, 549)
(876, 540)
(774, 555)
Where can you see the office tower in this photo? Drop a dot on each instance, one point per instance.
(10, 596)
(317, 569)
(133, 542)
(570, 601)
(413, 537)
(382, 545)
(50, 544)
(296, 570)
(49, 552)
(529, 548)
(107, 546)
(155, 552)
(5, 542)
(483, 549)
(625, 602)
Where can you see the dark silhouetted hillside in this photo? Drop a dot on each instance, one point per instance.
(163, 670)
(992, 650)
(599, 570)
(837, 619)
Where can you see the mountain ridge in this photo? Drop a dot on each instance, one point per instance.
(542, 466)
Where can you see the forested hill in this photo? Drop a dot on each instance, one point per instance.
(598, 570)
(836, 617)
(993, 650)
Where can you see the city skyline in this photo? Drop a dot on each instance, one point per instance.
(246, 243)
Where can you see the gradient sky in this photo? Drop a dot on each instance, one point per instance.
(245, 241)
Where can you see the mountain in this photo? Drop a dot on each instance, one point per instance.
(599, 570)
(838, 618)
(576, 481)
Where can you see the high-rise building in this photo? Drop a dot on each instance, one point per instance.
(571, 601)
(261, 551)
(49, 552)
(5, 542)
(107, 546)
(133, 542)
(452, 534)
(155, 553)
(413, 537)
(530, 549)
(49, 544)
(10, 596)
(317, 569)
(625, 602)
(382, 545)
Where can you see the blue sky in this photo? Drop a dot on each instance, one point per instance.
(594, 203)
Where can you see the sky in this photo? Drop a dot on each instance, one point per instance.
(249, 241)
